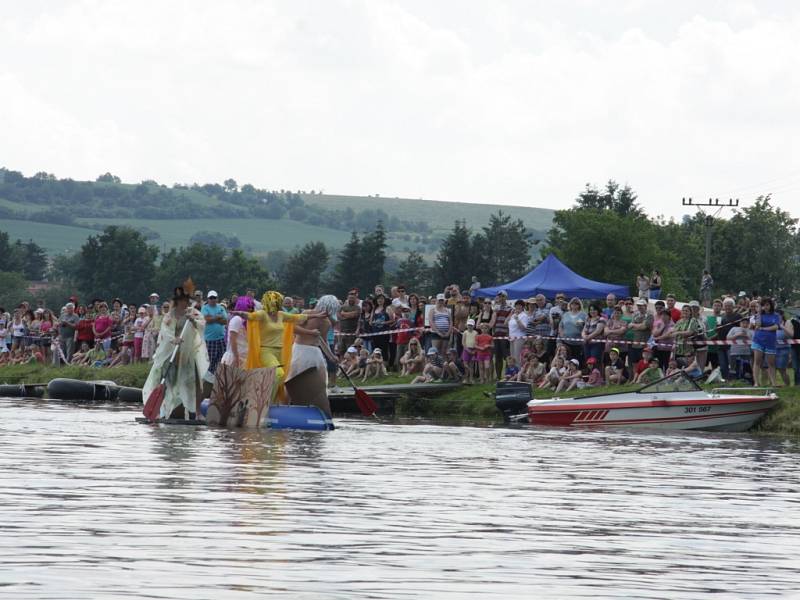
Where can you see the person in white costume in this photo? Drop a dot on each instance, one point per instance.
(184, 381)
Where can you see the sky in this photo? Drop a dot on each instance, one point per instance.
(495, 101)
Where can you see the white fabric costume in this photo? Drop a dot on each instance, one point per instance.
(306, 357)
(191, 363)
(237, 326)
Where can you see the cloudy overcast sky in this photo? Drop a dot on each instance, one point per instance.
(484, 101)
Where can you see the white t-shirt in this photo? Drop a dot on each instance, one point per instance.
(517, 324)
(236, 325)
(137, 327)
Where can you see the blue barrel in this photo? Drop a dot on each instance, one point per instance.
(297, 417)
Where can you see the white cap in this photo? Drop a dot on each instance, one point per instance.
(211, 294)
(432, 350)
(352, 350)
(440, 297)
(471, 322)
(694, 303)
(575, 362)
(641, 302)
(154, 294)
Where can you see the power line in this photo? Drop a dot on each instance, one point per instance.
(708, 219)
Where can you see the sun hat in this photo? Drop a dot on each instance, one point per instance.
(575, 362)
(433, 351)
(377, 351)
(352, 350)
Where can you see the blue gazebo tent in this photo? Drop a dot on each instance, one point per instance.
(550, 277)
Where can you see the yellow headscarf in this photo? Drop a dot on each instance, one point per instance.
(272, 301)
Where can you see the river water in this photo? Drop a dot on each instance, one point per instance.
(93, 505)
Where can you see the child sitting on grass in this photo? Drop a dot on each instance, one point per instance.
(433, 368)
(375, 367)
(80, 355)
(453, 369)
(595, 377)
(651, 374)
(553, 376)
(512, 370)
(569, 380)
(350, 361)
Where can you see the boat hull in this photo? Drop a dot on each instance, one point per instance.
(706, 413)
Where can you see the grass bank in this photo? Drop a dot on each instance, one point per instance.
(131, 375)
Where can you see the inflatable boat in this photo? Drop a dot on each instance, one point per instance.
(22, 390)
(87, 391)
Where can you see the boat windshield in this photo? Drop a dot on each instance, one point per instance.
(677, 382)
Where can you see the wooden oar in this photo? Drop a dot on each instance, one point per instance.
(152, 408)
(365, 403)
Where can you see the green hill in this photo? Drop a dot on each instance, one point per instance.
(59, 214)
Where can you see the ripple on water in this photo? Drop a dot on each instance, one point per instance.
(93, 505)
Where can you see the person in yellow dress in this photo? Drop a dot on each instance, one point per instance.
(270, 334)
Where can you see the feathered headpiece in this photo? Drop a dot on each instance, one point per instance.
(272, 301)
(184, 292)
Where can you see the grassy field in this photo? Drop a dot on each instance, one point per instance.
(53, 238)
(440, 215)
(259, 235)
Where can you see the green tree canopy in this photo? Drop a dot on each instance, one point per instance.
(302, 273)
(414, 273)
(454, 259)
(119, 262)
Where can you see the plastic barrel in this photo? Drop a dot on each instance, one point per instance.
(129, 394)
(22, 391)
(297, 417)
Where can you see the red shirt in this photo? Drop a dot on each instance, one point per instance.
(674, 314)
(483, 342)
(403, 337)
(84, 329)
(641, 366)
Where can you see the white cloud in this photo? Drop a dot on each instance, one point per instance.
(484, 101)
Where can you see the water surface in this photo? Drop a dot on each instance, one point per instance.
(93, 505)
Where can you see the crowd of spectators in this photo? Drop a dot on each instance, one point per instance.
(554, 343)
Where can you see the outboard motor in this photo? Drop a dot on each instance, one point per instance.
(511, 399)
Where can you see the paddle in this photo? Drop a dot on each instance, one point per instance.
(152, 407)
(365, 403)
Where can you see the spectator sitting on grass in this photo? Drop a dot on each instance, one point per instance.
(433, 368)
(569, 380)
(651, 374)
(80, 355)
(512, 370)
(413, 360)
(96, 355)
(616, 373)
(672, 368)
(595, 377)
(452, 369)
(553, 376)
(349, 361)
(375, 367)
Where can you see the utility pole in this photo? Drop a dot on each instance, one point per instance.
(708, 219)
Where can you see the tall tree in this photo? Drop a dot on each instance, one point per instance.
(10, 260)
(346, 272)
(119, 262)
(33, 259)
(502, 252)
(757, 250)
(621, 200)
(453, 261)
(302, 273)
(372, 258)
(13, 289)
(414, 273)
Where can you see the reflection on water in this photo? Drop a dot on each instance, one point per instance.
(93, 505)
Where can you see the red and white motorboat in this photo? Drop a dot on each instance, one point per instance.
(675, 402)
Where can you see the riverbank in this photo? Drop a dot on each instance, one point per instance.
(129, 375)
(473, 402)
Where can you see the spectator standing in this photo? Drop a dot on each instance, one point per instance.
(441, 326)
(728, 320)
(460, 316)
(713, 321)
(517, 323)
(674, 311)
(402, 337)
(594, 329)
(765, 325)
(642, 326)
(699, 338)
(611, 302)
(103, 325)
(792, 328)
(643, 284)
(381, 322)
(67, 329)
(155, 313)
(539, 322)
(84, 332)
(475, 285)
(662, 335)
(365, 323)
(288, 305)
(572, 323)
(682, 332)
(782, 349)
(216, 318)
(655, 285)
(349, 314)
(499, 327)
(740, 337)
(139, 326)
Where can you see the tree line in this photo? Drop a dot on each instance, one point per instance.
(62, 201)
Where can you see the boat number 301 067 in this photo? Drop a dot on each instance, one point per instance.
(696, 409)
